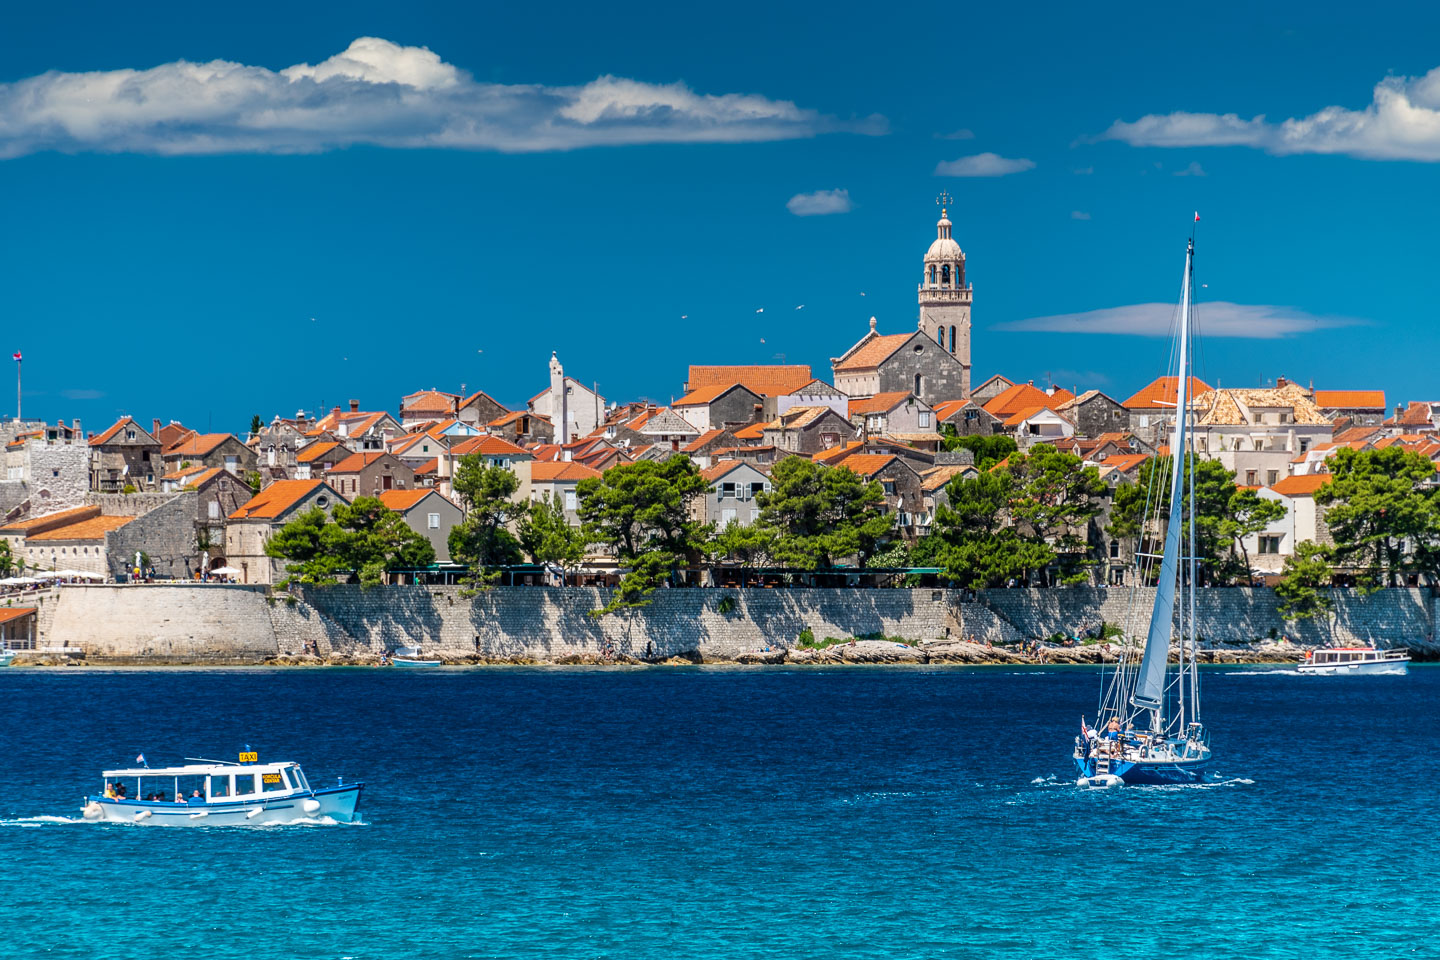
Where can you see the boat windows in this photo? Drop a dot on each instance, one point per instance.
(272, 782)
(219, 785)
(297, 778)
(244, 783)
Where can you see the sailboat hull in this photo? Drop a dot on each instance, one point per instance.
(1142, 773)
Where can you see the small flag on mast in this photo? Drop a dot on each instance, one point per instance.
(141, 759)
(1197, 216)
(17, 356)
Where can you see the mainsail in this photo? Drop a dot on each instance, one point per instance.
(1150, 684)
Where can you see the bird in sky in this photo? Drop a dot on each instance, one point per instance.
(761, 310)
(684, 316)
(862, 293)
(801, 307)
(762, 339)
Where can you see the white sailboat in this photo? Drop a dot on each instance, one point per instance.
(1148, 728)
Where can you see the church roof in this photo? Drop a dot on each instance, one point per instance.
(771, 380)
(874, 352)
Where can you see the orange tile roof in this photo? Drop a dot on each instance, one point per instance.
(94, 528)
(836, 454)
(78, 513)
(1416, 413)
(428, 467)
(880, 402)
(694, 446)
(1350, 399)
(1125, 462)
(945, 408)
(276, 499)
(108, 435)
(1023, 396)
(1020, 416)
(1159, 394)
(868, 464)
(399, 500)
(874, 353)
(183, 472)
(706, 394)
(428, 401)
(203, 477)
(356, 462)
(553, 471)
(490, 446)
(711, 474)
(1301, 486)
(756, 431)
(199, 444)
(15, 613)
(770, 380)
(317, 450)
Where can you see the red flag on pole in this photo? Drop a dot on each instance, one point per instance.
(1197, 216)
(17, 356)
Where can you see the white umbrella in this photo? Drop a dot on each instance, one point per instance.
(11, 582)
(224, 572)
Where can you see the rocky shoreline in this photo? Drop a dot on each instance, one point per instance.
(858, 652)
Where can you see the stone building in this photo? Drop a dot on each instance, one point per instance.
(369, 475)
(1363, 408)
(523, 427)
(968, 418)
(574, 409)
(46, 469)
(816, 393)
(83, 545)
(704, 447)
(911, 362)
(1095, 413)
(557, 480)
(731, 495)
(904, 496)
(316, 458)
(360, 429)
(765, 380)
(1152, 407)
(990, 389)
(278, 444)
(1256, 433)
(14, 532)
(807, 430)
(125, 455)
(428, 406)
(720, 407)
(1304, 520)
(221, 451)
(249, 528)
(428, 514)
(900, 414)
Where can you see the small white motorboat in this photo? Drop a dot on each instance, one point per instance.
(5, 657)
(219, 793)
(411, 657)
(1355, 660)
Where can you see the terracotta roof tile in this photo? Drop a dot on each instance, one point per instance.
(707, 394)
(199, 444)
(184, 472)
(767, 380)
(400, 500)
(15, 613)
(936, 477)
(489, 446)
(560, 471)
(1020, 416)
(74, 513)
(1023, 396)
(698, 444)
(356, 462)
(1301, 486)
(1159, 394)
(880, 402)
(317, 450)
(868, 464)
(1227, 406)
(94, 528)
(203, 477)
(875, 352)
(115, 429)
(1350, 399)
(756, 431)
(945, 408)
(713, 473)
(276, 499)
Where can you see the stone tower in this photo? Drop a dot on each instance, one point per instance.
(559, 401)
(945, 296)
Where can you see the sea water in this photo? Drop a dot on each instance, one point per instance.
(717, 813)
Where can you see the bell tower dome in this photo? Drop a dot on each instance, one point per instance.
(944, 295)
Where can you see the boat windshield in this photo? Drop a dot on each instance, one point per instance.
(297, 778)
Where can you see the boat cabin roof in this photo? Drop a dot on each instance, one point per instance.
(198, 770)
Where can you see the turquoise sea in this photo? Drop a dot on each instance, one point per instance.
(724, 813)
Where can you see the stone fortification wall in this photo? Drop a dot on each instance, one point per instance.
(165, 532)
(200, 624)
(128, 504)
(555, 622)
(1230, 615)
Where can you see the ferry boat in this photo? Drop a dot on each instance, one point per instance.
(1149, 729)
(218, 793)
(411, 657)
(1355, 660)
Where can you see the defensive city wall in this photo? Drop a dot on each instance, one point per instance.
(245, 624)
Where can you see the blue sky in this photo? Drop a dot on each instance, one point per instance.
(207, 242)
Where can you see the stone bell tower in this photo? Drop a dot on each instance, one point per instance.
(944, 294)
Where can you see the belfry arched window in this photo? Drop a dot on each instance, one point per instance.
(940, 337)
(932, 273)
(945, 275)
(952, 339)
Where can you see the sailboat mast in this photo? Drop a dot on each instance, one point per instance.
(1194, 562)
(1150, 684)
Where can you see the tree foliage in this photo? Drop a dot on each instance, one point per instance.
(256, 425)
(1302, 590)
(642, 511)
(483, 541)
(820, 515)
(1054, 499)
(7, 559)
(988, 449)
(972, 536)
(743, 545)
(362, 539)
(546, 534)
(1376, 502)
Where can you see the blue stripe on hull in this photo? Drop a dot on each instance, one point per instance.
(1149, 774)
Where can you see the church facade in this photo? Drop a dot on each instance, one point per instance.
(934, 362)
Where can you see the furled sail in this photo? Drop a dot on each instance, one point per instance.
(1150, 685)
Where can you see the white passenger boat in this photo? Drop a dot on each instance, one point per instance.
(411, 657)
(216, 792)
(5, 657)
(1355, 660)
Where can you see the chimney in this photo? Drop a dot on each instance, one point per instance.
(1280, 382)
(335, 412)
(155, 428)
(75, 428)
(354, 406)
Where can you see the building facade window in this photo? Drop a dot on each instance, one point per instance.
(432, 521)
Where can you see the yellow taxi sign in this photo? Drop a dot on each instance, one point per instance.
(249, 758)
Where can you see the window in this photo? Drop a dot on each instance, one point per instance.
(932, 273)
(727, 516)
(756, 488)
(940, 337)
(952, 339)
(432, 521)
(924, 418)
(244, 783)
(321, 501)
(271, 782)
(219, 786)
(889, 487)
(1250, 478)
(1304, 444)
(1271, 476)
(919, 385)
(213, 507)
(1114, 549)
(1270, 544)
(945, 275)
(570, 503)
(727, 490)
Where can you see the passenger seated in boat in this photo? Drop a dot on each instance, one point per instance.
(179, 797)
(109, 791)
(1112, 729)
(195, 797)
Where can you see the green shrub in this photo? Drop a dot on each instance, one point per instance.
(806, 638)
(727, 605)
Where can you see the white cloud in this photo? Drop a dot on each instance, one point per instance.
(1213, 319)
(375, 92)
(819, 203)
(1401, 122)
(983, 165)
(1079, 215)
(961, 134)
(1193, 170)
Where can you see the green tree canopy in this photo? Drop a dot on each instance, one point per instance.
(546, 534)
(1055, 497)
(972, 536)
(364, 538)
(483, 540)
(1375, 502)
(7, 559)
(256, 425)
(988, 449)
(820, 515)
(743, 545)
(1302, 589)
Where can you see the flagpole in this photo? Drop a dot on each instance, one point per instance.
(18, 362)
